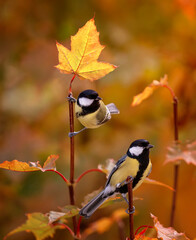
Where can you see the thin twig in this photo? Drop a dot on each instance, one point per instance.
(71, 186)
(176, 166)
(130, 198)
(143, 226)
(64, 226)
(173, 209)
(88, 171)
(60, 174)
(78, 226)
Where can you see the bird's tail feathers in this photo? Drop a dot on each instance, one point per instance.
(112, 108)
(91, 207)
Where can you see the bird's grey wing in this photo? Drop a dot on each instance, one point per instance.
(117, 165)
(112, 108)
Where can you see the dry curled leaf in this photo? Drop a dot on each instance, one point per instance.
(149, 90)
(81, 60)
(167, 233)
(180, 151)
(48, 165)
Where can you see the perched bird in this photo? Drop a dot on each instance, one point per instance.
(135, 163)
(91, 111)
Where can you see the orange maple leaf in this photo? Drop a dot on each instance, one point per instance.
(81, 60)
(150, 89)
(19, 166)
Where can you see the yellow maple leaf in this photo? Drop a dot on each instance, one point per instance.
(149, 90)
(81, 60)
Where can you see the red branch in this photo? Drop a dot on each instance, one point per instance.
(88, 171)
(60, 174)
(72, 156)
(78, 226)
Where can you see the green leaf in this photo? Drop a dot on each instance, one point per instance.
(38, 224)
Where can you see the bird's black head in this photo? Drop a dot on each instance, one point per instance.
(87, 98)
(139, 148)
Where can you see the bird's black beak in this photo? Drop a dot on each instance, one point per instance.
(149, 146)
(98, 98)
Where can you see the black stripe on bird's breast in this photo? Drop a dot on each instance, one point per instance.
(90, 109)
(137, 178)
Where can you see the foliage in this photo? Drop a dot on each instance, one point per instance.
(167, 233)
(180, 151)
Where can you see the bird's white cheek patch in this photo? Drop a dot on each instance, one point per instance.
(136, 151)
(85, 102)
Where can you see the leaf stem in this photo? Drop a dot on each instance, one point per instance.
(130, 198)
(71, 186)
(88, 171)
(60, 174)
(70, 85)
(170, 89)
(65, 226)
(176, 166)
(143, 226)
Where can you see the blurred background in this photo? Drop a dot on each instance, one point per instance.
(146, 39)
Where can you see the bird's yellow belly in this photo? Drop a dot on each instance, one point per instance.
(92, 120)
(129, 167)
(89, 120)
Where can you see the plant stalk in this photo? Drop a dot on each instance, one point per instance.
(71, 186)
(176, 166)
(130, 198)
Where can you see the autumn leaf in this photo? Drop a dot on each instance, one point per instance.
(38, 224)
(167, 233)
(49, 164)
(148, 91)
(181, 151)
(81, 60)
(155, 182)
(19, 166)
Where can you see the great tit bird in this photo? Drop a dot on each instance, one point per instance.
(91, 111)
(134, 163)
